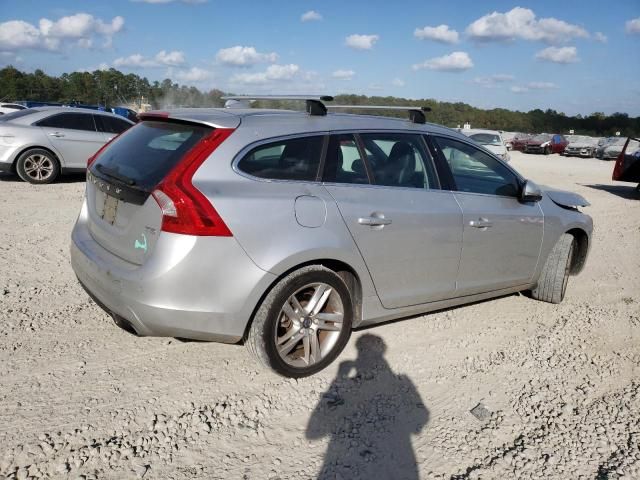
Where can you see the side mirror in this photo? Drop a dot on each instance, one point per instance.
(530, 192)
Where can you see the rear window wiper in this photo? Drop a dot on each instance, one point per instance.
(110, 172)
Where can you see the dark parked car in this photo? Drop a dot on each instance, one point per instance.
(546, 143)
(519, 141)
(610, 148)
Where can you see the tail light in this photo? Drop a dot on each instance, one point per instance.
(185, 209)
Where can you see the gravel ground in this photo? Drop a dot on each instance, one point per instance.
(554, 389)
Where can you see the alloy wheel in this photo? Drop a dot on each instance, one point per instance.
(309, 325)
(38, 167)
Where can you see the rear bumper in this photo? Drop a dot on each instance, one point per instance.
(203, 288)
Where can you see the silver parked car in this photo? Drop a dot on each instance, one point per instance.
(41, 143)
(580, 146)
(489, 139)
(286, 230)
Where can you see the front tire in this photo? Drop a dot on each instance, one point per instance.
(37, 166)
(547, 150)
(303, 323)
(553, 280)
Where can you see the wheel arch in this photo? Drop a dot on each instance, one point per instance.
(35, 147)
(581, 249)
(348, 274)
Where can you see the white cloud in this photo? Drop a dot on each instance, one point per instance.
(521, 23)
(240, 56)
(441, 33)
(272, 73)
(161, 59)
(310, 16)
(79, 29)
(397, 82)
(534, 86)
(454, 62)
(558, 54)
(361, 42)
(193, 75)
(492, 80)
(600, 37)
(343, 74)
(173, 58)
(632, 26)
(542, 85)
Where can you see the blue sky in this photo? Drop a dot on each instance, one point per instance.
(572, 56)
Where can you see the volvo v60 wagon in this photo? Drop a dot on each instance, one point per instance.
(285, 230)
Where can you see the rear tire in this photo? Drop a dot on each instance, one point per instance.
(38, 166)
(315, 339)
(552, 284)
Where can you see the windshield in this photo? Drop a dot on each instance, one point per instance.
(486, 138)
(144, 155)
(617, 141)
(543, 137)
(17, 114)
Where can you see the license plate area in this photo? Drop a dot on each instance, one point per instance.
(110, 209)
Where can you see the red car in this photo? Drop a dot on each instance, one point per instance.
(546, 143)
(518, 142)
(627, 168)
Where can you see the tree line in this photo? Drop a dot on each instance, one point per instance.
(112, 87)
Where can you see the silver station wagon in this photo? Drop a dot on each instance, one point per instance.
(285, 230)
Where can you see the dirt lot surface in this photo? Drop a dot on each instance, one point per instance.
(559, 384)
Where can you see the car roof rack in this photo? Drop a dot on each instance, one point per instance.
(314, 105)
(416, 114)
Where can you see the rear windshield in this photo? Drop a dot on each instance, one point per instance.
(7, 117)
(144, 155)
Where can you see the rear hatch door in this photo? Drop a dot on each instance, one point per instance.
(124, 218)
(627, 168)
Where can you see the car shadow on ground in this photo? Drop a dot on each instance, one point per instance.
(369, 414)
(628, 191)
(66, 178)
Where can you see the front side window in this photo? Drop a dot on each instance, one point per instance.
(475, 171)
(343, 163)
(398, 160)
(70, 121)
(294, 159)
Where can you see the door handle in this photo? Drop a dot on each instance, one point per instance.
(480, 223)
(56, 134)
(374, 221)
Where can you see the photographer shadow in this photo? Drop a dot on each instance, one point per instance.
(370, 413)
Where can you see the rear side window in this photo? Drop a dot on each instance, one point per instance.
(343, 163)
(294, 159)
(71, 121)
(109, 124)
(147, 153)
(398, 160)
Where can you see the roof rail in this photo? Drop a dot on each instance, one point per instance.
(416, 114)
(313, 102)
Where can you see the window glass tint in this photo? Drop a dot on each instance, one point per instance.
(109, 124)
(398, 160)
(295, 159)
(7, 117)
(475, 171)
(71, 121)
(343, 163)
(147, 153)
